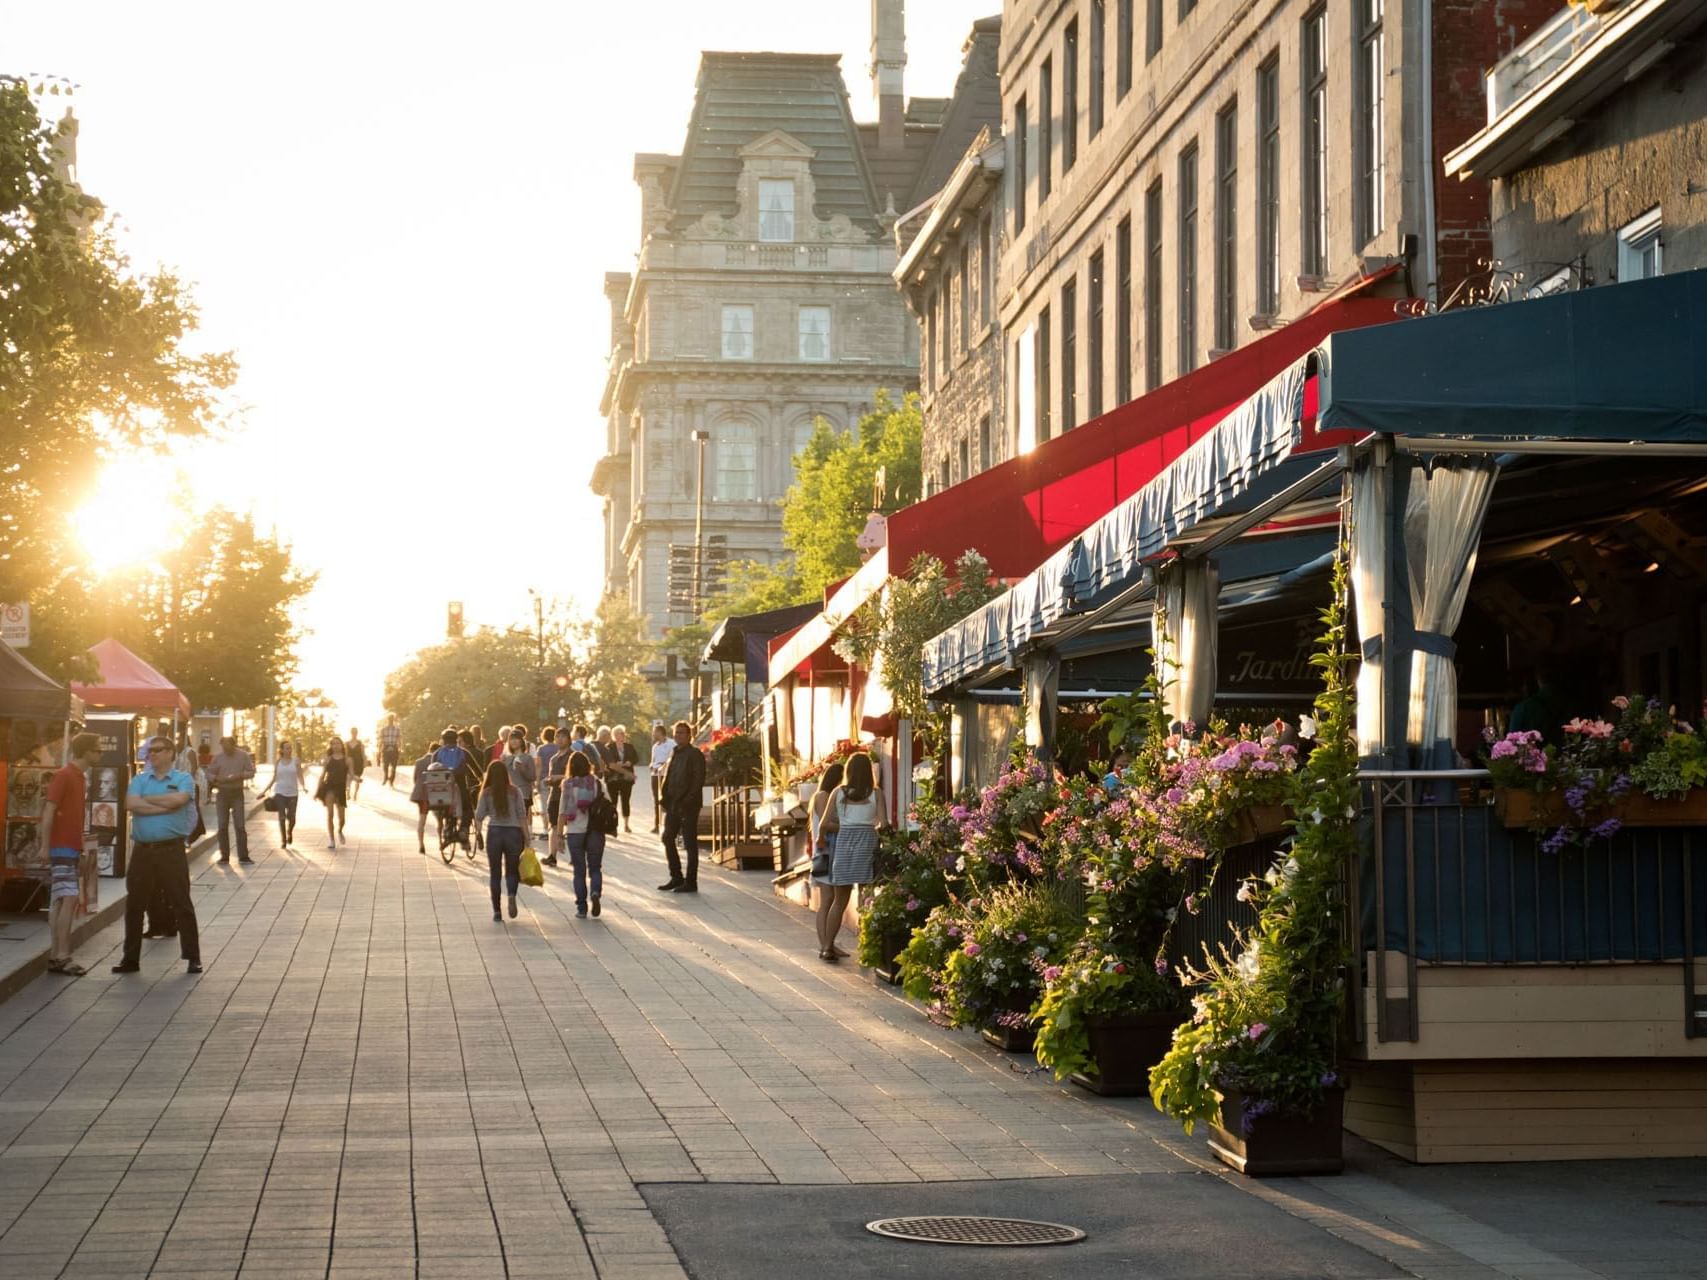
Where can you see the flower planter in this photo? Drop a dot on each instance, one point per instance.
(1258, 823)
(1280, 1144)
(1530, 808)
(1125, 1048)
(1687, 810)
(889, 973)
(1010, 1039)
(1548, 809)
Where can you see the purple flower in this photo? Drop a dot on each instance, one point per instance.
(1329, 1079)
(972, 948)
(1607, 829)
(1161, 966)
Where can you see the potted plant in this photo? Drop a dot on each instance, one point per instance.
(1257, 1062)
(992, 980)
(735, 759)
(913, 879)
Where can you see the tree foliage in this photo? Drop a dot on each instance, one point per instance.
(216, 616)
(93, 362)
(617, 693)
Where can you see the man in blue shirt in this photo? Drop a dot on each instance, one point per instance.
(161, 802)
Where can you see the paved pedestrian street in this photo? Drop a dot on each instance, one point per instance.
(373, 1078)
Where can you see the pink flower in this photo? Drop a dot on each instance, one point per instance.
(1051, 972)
(1621, 702)
(972, 948)
(1256, 1029)
(1120, 968)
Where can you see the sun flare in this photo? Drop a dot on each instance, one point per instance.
(131, 519)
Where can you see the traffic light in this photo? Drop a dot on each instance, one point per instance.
(453, 620)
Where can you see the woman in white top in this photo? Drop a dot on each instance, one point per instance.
(287, 785)
(858, 806)
(663, 747)
(585, 840)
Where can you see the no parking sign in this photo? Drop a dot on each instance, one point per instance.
(15, 625)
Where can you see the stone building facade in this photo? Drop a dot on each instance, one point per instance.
(763, 300)
(1185, 175)
(1595, 140)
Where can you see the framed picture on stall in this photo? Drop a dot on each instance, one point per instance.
(28, 789)
(23, 847)
(104, 785)
(104, 855)
(103, 814)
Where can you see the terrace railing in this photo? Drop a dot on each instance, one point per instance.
(1524, 69)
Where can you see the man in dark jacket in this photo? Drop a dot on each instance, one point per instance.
(684, 787)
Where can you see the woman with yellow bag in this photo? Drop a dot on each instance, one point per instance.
(505, 813)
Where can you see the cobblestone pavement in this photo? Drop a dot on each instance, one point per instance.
(373, 1078)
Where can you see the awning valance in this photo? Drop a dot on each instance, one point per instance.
(1618, 363)
(27, 692)
(128, 683)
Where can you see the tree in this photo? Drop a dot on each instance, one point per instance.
(617, 693)
(831, 498)
(217, 617)
(92, 363)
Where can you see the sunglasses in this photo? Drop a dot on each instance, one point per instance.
(152, 750)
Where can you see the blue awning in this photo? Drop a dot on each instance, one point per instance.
(1619, 363)
(1247, 457)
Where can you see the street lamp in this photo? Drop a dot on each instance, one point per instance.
(700, 438)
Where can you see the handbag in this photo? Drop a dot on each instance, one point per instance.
(821, 863)
(602, 816)
(531, 873)
(271, 804)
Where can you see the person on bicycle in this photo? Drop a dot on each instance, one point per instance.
(452, 755)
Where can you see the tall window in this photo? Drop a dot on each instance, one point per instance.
(814, 333)
(1371, 120)
(984, 443)
(1021, 124)
(776, 209)
(1315, 69)
(1122, 49)
(965, 295)
(1268, 187)
(1093, 338)
(737, 333)
(1070, 97)
(1188, 259)
(1069, 355)
(1123, 311)
(930, 342)
(1226, 225)
(1099, 34)
(736, 448)
(986, 269)
(947, 311)
(1046, 131)
(1639, 247)
(965, 460)
(1024, 398)
(1152, 28)
(1043, 382)
(1153, 286)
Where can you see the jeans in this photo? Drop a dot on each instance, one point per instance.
(159, 867)
(587, 856)
(504, 856)
(231, 807)
(287, 818)
(682, 822)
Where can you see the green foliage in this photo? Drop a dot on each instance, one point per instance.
(217, 616)
(752, 587)
(1266, 1019)
(1012, 936)
(826, 507)
(1677, 766)
(93, 364)
(913, 868)
(1093, 984)
(617, 647)
(735, 757)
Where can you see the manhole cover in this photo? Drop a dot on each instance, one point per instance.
(940, 1230)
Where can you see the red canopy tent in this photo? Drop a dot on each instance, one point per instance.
(128, 683)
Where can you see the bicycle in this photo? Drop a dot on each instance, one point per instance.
(444, 802)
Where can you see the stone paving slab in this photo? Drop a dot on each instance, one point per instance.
(373, 1077)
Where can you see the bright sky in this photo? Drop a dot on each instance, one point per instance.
(399, 216)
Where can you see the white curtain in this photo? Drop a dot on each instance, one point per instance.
(1186, 634)
(1371, 489)
(1444, 511)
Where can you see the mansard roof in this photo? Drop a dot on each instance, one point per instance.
(976, 104)
(742, 97)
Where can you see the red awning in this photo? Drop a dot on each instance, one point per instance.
(128, 683)
(1017, 514)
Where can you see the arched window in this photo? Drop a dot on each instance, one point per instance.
(735, 445)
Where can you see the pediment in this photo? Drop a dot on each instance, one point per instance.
(776, 145)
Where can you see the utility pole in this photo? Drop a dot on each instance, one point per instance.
(700, 438)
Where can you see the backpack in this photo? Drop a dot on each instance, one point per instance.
(602, 815)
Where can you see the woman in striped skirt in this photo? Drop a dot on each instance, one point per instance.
(859, 810)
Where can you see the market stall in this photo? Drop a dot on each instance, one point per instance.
(36, 715)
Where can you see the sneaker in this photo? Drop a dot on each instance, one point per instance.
(595, 904)
(580, 913)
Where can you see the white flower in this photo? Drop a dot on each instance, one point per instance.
(1246, 892)
(1351, 811)
(1271, 877)
(960, 863)
(1316, 816)
(1246, 966)
(1306, 727)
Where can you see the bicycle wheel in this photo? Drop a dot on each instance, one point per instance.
(447, 839)
(469, 847)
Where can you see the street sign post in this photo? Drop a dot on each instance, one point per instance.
(15, 625)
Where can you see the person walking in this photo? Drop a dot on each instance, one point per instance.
(663, 746)
(501, 746)
(623, 761)
(418, 795)
(470, 777)
(159, 800)
(542, 767)
(583, 836)
(500, 806)
(357, 755)
(859, 809)
(390, 750)
(229, 769)
(822, 823)
(333, 789)
(189, 761)
(62, 833)
(524, 771)
(287, 785)
(683, 794)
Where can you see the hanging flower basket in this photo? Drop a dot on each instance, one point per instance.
(1266, 1145)
(1124, 1049)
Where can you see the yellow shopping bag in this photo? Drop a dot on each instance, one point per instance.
(532, 873)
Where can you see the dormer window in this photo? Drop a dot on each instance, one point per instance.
(776, 210)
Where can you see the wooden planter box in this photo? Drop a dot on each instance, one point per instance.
(1010, 1039)
(1125, 1049)
(1548, 809)
(889, 973)
(1258, 823)
(1279, 1144)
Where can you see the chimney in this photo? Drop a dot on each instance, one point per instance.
(888, 62)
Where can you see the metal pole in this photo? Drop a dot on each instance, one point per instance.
(700, 438)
